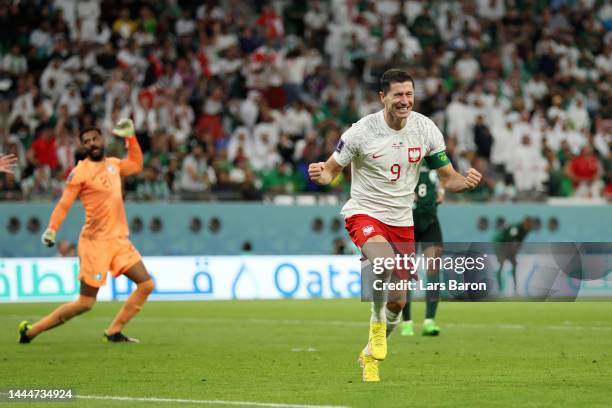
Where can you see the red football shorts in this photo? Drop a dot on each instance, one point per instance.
(362, 227)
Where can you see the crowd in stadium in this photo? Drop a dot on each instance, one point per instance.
(233, 99)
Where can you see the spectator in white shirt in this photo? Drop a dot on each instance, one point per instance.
(88, 14)
(264, 155)
(577, 114)
(491, 9)
(41, 39)
(536, 87)
(240, 144)
(267, 126)
(14, 62)
(467, 67)
(196, 175)
(575, 138)
(602, 138)
(503, 144)
(54, 79)
(72, 100)
(293, 68)
(315, 21)
(528, 167)
(185, 25)
(297, 120)
(556, 111)
(249, 108)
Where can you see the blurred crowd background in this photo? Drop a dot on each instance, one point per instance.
(233, 99)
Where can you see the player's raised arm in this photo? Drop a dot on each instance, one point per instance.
(71, 192)
(449, 178)
(347, 149)
(454, 181)
(133, 163)
(324, 172)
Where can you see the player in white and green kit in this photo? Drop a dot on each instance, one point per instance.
(427, 234)
(386, 150)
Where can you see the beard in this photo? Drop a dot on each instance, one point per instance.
(96, 154)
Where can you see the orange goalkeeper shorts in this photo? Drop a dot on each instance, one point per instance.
(97, 257)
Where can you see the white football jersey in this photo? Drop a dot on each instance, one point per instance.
(386, 165)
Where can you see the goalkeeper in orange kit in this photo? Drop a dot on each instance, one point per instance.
(103, 244)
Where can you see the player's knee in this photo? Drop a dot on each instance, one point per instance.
(147, 286)
(85, 303)
(396, 306)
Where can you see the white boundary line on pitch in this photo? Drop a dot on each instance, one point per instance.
(597, 326)
(204, 402)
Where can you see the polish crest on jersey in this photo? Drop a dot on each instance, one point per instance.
(367, 230)
(414, 154)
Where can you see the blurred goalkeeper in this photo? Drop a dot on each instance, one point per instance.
(103, 244)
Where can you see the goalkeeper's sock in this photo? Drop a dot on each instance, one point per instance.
(131, 307)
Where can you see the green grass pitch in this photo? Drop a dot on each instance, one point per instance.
(304, 352)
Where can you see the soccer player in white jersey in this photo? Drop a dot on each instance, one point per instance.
(386, 150)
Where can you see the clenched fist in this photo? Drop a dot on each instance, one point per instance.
(472, 178)
(315, 172)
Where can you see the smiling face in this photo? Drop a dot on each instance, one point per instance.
(93, 143)
(399, 99)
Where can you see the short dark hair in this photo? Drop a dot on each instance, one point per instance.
(89, 129)
(394, 75)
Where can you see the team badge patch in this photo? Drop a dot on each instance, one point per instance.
(442, 156)
(368, 230)
(414, 154)
(98, 276)
(110, 169)
(70, 176)
(340, 145)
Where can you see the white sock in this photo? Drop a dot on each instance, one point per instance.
(378, 312)
(393, 320)
(379, 298)
(428, 321)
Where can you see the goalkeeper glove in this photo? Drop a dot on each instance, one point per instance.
(124, 128)
(48, 238)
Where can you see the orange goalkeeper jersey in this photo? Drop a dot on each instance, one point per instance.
(98, 185)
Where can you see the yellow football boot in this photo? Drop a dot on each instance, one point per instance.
(378, 340)
(369, 366)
